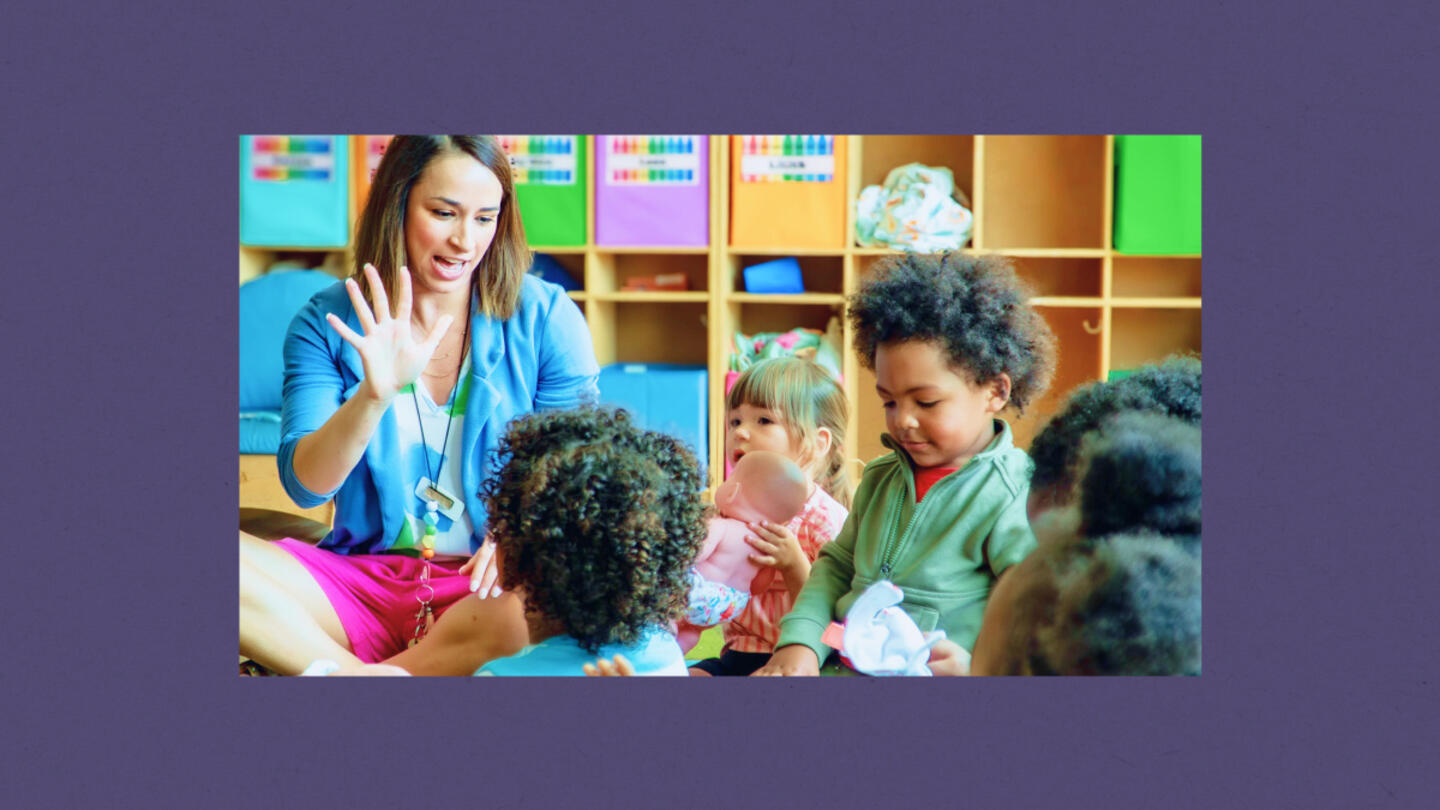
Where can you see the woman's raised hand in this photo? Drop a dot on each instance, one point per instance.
(391, 353)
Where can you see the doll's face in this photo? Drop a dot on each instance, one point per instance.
(763, 486)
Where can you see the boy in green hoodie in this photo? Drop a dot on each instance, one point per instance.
(952, 340)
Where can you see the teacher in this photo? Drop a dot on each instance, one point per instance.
(392, 408)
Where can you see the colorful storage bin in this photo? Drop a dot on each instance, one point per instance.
(1157, 194)
(294, 191)
(652, 190)
(666, 397)
(550, 176)
(787, 191)
(365, 154)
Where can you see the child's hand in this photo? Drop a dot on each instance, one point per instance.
(790, 661)
(605, 669)
(483, 571)
(949, 658)
(779, 549)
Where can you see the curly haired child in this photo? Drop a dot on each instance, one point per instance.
(792, 407)
(1171, 388)
(953, 341)
(597, 524)
(1126, 604)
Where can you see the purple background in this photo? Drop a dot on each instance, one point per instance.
(119, 322)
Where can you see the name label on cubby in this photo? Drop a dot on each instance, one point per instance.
(652, 160)
(292, 158)
(541, 160)
(787, 158)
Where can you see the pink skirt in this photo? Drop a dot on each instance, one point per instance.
(377, 595)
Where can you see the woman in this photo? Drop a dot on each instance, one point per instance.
(393, 409)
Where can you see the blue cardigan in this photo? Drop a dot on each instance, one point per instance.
(540, 358)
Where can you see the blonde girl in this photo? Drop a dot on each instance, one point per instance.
(790, 406)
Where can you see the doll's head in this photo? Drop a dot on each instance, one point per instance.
(1171, 388)
(794, 407)
(596, 521)
(763, 486)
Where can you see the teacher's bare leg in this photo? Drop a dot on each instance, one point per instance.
(285, 620)
(471, 632)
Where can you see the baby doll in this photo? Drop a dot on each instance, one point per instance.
(764, 486)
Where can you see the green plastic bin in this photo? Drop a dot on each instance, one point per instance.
(550, 176)
(1157, 194)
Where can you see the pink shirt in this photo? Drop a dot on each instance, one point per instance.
(757, 628)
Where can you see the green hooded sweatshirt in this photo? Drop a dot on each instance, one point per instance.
(945, 553)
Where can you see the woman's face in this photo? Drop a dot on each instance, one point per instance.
(450, 221)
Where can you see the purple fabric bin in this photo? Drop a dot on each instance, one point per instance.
(652, 190)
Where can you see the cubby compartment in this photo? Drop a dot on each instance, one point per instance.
(1050, 277)
(566, 268)
(610, 272)
(1141, 336)
(753, 318)
(818, 274)
(1078, 341)
(648, 331)
(1042, 191)
(1155, 277)
(879, 154)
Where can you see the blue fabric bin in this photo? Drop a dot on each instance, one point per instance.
(666, 397)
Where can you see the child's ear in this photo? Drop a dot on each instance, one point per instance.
(823, 440)
(999, 392)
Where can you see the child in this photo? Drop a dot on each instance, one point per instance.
(1171, 388)
(1124, 604)
(597, 524)
(1141, 472)
(792, 407)
(952, 341)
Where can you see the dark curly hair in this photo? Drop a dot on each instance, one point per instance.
(1121, 605)
(974, 307)
(1171, 388)
(598, 521)
(1141, 471)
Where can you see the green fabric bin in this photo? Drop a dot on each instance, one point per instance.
(550, 176)
(1157, 194)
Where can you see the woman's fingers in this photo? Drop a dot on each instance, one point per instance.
(763, 559)
(346, 333)
(362, 310)
(441, 327)
(403, 303)
(377, 294)
(478, 564)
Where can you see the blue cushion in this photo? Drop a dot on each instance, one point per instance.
(267, 305)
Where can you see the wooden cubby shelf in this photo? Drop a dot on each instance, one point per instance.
(1043, 201)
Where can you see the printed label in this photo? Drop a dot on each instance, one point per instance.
(291, 158)
(787, 158)
(653, 160)
(542, 160)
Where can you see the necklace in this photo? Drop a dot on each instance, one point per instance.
(425, 592)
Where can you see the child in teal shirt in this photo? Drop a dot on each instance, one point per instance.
(953, 341)
(596, 525)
